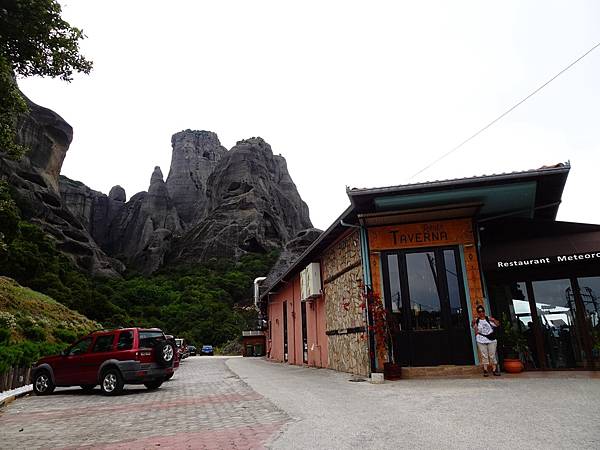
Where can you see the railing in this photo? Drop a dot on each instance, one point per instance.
(14, 378)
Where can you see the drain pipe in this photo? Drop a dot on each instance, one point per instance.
(257, 282)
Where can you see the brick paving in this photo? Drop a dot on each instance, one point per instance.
(205, 406)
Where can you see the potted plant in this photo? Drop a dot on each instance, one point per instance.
(513, 343)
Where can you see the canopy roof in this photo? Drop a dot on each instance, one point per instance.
(531, 194)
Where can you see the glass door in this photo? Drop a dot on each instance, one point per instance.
(557, 318)
(425, 299)
(589, 289)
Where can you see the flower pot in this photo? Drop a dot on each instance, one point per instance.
(513, 365)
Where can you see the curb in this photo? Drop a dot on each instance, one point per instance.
(10, 396)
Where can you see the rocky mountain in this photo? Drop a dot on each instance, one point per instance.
(35, 184)
(194, 157)
(252, 206)
(214, 202)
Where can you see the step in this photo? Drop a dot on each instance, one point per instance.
(448, 371)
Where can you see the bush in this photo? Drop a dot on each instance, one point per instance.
(25, 354)
(64, 335)
(233, 347)
(4, 335)
(35, 333)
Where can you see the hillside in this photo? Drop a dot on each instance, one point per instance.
(30, 315)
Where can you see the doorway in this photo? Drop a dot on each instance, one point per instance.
(426, 303)
(285, 332)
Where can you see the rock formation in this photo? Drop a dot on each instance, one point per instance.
(290, 253)
(35, 185)
(215, 203)
(252, 206)
(137, 232)
(194, 157)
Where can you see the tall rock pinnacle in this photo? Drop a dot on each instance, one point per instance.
(195, 155)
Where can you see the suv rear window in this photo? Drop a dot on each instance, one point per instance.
(149, 339)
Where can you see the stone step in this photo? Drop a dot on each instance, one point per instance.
(441, 372)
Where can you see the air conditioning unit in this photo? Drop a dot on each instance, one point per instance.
(310, 282)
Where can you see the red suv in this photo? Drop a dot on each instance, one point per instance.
(109, 358)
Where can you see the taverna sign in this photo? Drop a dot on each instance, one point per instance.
(580, 257)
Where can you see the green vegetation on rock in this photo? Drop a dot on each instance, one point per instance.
(33, 325)
(206, 304)
(35, 40)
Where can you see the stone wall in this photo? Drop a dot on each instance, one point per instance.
(342, 276)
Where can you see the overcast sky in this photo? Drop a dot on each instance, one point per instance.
(359, 94)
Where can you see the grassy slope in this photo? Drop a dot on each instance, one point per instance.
(30, 308)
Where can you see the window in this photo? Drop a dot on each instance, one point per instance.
(125, 340)
(424, 289)
(149, 339)
(80, 347)
(394, 277)
(103, 343)
(457, 314)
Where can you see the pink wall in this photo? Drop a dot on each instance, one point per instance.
(315, 324)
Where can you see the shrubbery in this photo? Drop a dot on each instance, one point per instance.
(25, 354)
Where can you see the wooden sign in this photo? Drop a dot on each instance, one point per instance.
(427, 234)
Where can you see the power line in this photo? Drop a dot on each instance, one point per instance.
(505, 112)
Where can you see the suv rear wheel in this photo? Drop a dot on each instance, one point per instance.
(153, 385)
(111, 382)
(42, 383)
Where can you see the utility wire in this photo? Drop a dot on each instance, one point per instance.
(505, 112)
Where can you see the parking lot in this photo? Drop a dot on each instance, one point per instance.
(248, 403)
(205, 405)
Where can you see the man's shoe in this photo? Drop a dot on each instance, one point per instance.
(496, 374)
(485, 373)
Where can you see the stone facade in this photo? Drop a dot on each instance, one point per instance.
(348, 350)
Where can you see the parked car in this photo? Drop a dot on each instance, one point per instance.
(192, 350)
(182, 348)
(171, 339)
(207, 350)
(109, 358)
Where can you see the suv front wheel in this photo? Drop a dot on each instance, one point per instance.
(42, 383)
(111, 382)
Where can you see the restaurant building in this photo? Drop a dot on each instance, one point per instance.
(394, 282)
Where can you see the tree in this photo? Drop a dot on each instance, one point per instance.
(34, 40)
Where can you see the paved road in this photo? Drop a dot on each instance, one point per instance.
(204, 406)
(250, 403)
(330, 412)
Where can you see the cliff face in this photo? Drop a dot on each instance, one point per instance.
(137, 232)
(194, 157)
(35, 184)
(214, 203)
(253, 206)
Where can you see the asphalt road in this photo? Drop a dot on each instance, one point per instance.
(247, 403)
(330, 412)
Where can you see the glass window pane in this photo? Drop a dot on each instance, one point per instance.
(590, 295)
(424, 291)
(555, 305)
(522, 317)
(149, 339)
(457, 314)
(394, 277)
(125, 340)
(103, 343)
(80, 347)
